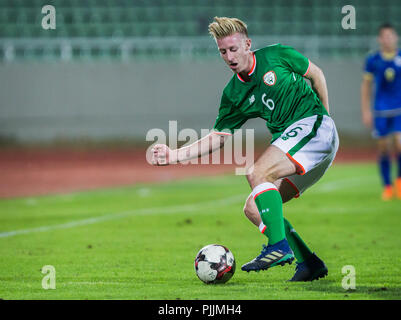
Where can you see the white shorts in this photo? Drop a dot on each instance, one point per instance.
(311, 144)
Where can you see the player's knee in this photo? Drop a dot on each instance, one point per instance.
(257, 175)
(383, 146)
(398, 143)
(249, 208)
(246, 209)
(383, 151)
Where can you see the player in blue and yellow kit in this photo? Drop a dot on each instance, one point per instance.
(383, 68)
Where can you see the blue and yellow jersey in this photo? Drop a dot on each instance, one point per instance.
(386, 72)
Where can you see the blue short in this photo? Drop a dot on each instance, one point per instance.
(386, 125)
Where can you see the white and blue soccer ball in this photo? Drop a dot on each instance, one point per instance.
(214, 264)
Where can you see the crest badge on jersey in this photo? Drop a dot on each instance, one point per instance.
(270, 78)
(389, 74)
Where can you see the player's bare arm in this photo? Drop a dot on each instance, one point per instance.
(163, 155)
(319, 85)
(366, 91)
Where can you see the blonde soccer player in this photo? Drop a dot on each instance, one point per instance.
(269, 83)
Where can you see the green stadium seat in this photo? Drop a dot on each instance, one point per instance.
(141, 29)
(164, 18)
(169, 13)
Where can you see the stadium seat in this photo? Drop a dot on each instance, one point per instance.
(171, 18)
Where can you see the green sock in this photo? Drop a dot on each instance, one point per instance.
(301, 250)
(270, 206)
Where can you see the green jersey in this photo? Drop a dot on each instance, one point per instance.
(277, 92)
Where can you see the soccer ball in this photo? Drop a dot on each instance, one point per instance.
(214, 264)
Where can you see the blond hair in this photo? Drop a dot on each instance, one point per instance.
(223, 27)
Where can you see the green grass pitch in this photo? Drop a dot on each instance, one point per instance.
(139, 242)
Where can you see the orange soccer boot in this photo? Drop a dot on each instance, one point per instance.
(398, 187)
(387, 193)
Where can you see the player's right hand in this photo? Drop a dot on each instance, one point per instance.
(161, 155)
(367, 119)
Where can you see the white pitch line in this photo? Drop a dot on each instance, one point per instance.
(324, 188)
(90, 283)
(340, 184)
(124, 214)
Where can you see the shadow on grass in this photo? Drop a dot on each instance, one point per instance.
(330, 286)
(371, 292)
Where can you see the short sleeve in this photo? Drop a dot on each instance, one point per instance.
(297, 62)
(228, 118)
(369, 65)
